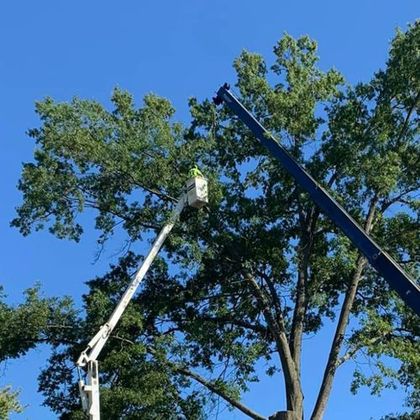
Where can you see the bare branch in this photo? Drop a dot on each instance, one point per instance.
(217, 390)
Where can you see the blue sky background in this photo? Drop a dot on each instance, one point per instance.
(176, 49)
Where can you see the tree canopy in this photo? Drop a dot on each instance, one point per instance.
(248, 277)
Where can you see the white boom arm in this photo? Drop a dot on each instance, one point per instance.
(195, 196)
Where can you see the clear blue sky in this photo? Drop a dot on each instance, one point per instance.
(176, 49)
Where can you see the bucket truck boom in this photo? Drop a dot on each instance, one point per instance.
(195, 195)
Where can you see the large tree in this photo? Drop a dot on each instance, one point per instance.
(245, 279)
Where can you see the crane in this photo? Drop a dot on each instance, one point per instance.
(194, 195)
(400, 281)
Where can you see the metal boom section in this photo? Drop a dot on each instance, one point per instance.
(400, 281)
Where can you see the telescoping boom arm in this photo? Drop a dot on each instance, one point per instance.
(406, 287)
(195, 195)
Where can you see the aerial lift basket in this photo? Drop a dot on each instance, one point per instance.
(197, 194)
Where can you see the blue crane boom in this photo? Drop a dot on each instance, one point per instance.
(406, 287)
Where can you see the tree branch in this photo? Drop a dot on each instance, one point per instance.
(210, 385)
(392, 200)
(256, 327)
(355, 349)
(305, 249)
(292, 383)
(407, 118)
(274, 296)
(214, 388)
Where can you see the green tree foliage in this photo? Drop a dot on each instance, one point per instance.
(245, 279)
(9, 403)
(37, 319)
(22, 327)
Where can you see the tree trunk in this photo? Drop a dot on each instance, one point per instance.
(331, 367)
(333, 357)
(283, 415)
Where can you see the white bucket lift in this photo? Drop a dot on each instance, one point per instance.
(194, 195)
(197, 194)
